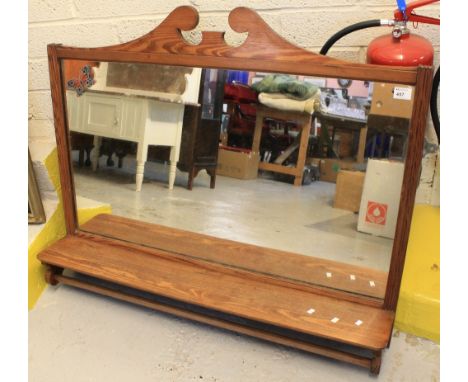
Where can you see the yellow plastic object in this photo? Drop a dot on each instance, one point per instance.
(53, 230)
(418, 310)
(85, 214)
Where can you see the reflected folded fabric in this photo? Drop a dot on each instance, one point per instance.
(290, 86)
(279, 101)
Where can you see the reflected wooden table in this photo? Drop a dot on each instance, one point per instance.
(304, 121)
(336, 122)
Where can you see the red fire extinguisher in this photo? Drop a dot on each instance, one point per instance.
(399, 48)
(402, 48)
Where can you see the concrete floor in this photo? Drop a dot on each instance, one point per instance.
(263, 211)
(77, 336)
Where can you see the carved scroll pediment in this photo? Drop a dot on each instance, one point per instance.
(262, 50)
(262, 42)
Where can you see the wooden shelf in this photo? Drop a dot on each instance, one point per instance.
(230, 292)
(289, 266)
(265, 290)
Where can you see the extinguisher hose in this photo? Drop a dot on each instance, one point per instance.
(377, 23)
(434, 110)
(349, 29)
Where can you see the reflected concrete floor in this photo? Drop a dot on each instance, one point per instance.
(77, 336)
(262, 211)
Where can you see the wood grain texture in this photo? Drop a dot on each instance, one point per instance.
(246, 273)
(273, 167)
(287, 265)
(62, 137)
(145, 270)
(376, 363)
(411, 177)
(362, 145)
(285, 115)
(302, 155)
(263, 50)
(223, 324)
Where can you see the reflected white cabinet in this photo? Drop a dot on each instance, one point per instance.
(144, 120)
(130, 113)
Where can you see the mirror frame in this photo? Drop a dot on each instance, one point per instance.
(263, 50)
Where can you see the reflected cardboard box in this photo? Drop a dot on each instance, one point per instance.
(349, 187)
(381, 197)
(237, 163)
(329, 168)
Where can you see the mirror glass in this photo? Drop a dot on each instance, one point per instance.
(308, 169)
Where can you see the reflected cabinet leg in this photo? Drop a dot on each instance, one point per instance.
(174, 158)
(142, 153)
(173, 166)
(192, 175)
(175, 149)
(95, 152)
(140, 173)
(212, 173)
(172, 174)
(80, 157)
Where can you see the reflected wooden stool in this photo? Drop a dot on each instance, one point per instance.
(304, 121)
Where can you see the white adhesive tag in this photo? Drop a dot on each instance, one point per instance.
(352, 277)
(335, 320)
(402, 93)
(358, 323)
(372, 284)
(311, 311)
(329, 274)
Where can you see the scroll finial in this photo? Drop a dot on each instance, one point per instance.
(184, 18)
(241, 19)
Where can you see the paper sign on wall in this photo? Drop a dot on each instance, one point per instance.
(402, 93)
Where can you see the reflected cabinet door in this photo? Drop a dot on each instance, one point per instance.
(102, 115)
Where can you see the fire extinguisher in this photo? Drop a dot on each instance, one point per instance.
(400, 48)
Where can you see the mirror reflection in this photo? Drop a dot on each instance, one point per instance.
(310, 167)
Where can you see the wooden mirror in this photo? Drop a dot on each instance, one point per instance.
(143, 92)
